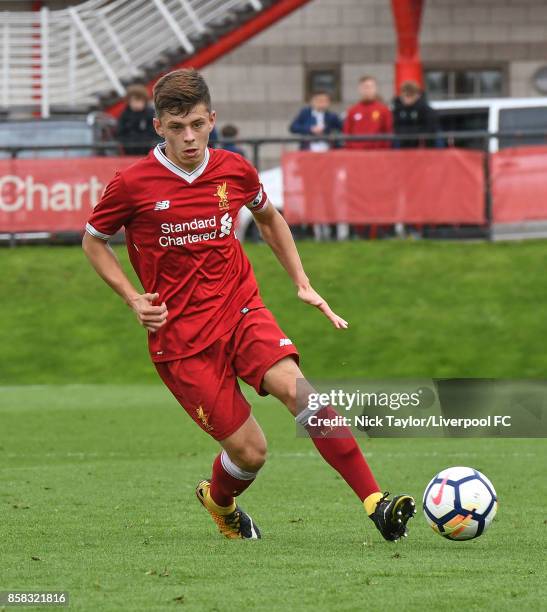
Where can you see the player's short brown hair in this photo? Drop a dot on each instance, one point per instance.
(178, 92)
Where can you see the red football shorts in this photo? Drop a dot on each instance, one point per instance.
(206, 384)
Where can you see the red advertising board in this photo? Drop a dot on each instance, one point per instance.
(443, 186)
(410, 186)
(519, 185)
(53, 194)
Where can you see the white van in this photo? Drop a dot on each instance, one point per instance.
(499, 115)
(494, 115)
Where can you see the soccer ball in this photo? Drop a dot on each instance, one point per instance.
(460, 503)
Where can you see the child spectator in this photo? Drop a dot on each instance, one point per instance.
(135, 130)
(315, 120)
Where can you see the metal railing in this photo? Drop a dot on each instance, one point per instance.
(65, 58)
(486, 142)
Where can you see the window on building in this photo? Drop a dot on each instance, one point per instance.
(324, 77)
(446, 84)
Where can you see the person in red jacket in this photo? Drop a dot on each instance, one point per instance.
(368, 117)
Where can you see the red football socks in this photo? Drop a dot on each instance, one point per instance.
(340, 450)
(228, 480)
(336, 445)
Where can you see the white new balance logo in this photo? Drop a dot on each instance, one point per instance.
(285, 342)
(225, 225)
(162, 205)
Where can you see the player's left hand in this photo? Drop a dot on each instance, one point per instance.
(309, 295)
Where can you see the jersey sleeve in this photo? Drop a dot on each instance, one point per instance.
(113, 210)
(255, 196)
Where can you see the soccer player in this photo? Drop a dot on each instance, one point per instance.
(206, 322)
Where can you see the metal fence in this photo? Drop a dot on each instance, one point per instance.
(481, 140)
(484, 141)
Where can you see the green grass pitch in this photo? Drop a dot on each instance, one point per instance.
(97, 497)
(415, 309)
(98, 463)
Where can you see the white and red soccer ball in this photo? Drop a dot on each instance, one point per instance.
(460, 503)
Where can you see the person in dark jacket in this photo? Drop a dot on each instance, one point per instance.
(413, 115)
(315, 120)
(135, 130)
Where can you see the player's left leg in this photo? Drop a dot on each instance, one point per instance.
(268, 361)
(340, 450)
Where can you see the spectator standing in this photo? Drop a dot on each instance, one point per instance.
(230, 131)
(135, 130)
(316, 120)
(413, 115)
(369, 117)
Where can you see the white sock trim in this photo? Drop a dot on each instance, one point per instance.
(233, 469)
(302, 417)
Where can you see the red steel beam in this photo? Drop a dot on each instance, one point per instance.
(228, 42)
(407, 15)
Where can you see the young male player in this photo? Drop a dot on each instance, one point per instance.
(206, 322)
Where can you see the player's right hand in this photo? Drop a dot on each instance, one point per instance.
(149, 316)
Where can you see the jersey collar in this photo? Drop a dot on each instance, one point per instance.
(189, 177)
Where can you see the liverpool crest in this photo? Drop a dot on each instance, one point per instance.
(222, 195)
(204, 418)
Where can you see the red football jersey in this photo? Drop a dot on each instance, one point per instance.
(181, 242)
(368, 118)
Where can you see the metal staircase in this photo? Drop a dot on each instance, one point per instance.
(84, 56)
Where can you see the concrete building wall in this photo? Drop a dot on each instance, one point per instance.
(507, 33)
(261, 85)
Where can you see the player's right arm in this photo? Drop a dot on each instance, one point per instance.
(113, 211)
(108, 267)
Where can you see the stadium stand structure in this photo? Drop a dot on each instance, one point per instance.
(83, 56)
